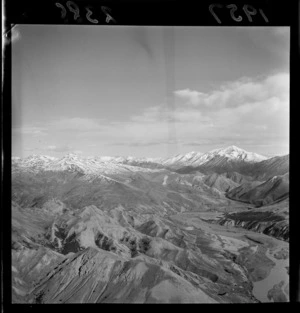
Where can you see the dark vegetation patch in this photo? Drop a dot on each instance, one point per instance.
(229, 255)
(280, 231)
(131, 243)
(254, 240)
(105, 243)
(144, 244)
(70, 245)
(136, 246)
(39, 298)
(255, 216)
(175, 270)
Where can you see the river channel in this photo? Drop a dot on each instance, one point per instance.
(278, 274)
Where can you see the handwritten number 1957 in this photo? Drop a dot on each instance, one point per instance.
(75, 9)
(233, 8)
(94, 21)
(248, 9)
(105, 10)
(63, 10)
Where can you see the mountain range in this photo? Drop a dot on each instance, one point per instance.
(192, 228)
(228, 159)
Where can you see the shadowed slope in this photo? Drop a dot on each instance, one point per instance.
(274, 189)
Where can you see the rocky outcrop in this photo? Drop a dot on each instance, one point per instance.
(263, 222)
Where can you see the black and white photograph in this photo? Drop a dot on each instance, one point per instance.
(150, 164)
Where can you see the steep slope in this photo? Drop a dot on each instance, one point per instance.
(108, 278)
(191, 158)
(219, 182)
(269, 168)
(274, 189)
(272, 220)
(237, 177)
(260, 170)
(160, 191)
(88, 255)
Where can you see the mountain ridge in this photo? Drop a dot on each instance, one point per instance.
(189, 159)
(103, 229)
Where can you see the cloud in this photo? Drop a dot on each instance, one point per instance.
(137, 144)
(249, 108)
(201, 142)
(238, 93)
(59, 148)
(31, 149)
(245, 112)
(76, 124)
(77, 151)
(194, 97)
(30, 130)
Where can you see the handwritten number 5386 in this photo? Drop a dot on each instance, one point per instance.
(248, 9)
(73, 7)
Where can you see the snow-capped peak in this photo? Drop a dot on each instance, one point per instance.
(231, 149)
(196, 158)
(95, 166)
(183, 159)
(234, 152)
(103, 164)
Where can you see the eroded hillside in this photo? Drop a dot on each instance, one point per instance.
(115, 232)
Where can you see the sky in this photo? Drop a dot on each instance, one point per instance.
(149, 91)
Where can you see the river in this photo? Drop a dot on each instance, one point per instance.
(277, 274)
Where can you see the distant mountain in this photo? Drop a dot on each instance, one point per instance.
(243, 164)
(275, 166)
(74, 163)
(152, 163)
(272, 190)
(216, 157)
(231, 160)
(191, 158)
(32, 162)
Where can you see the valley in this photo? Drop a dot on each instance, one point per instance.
(199, 228)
